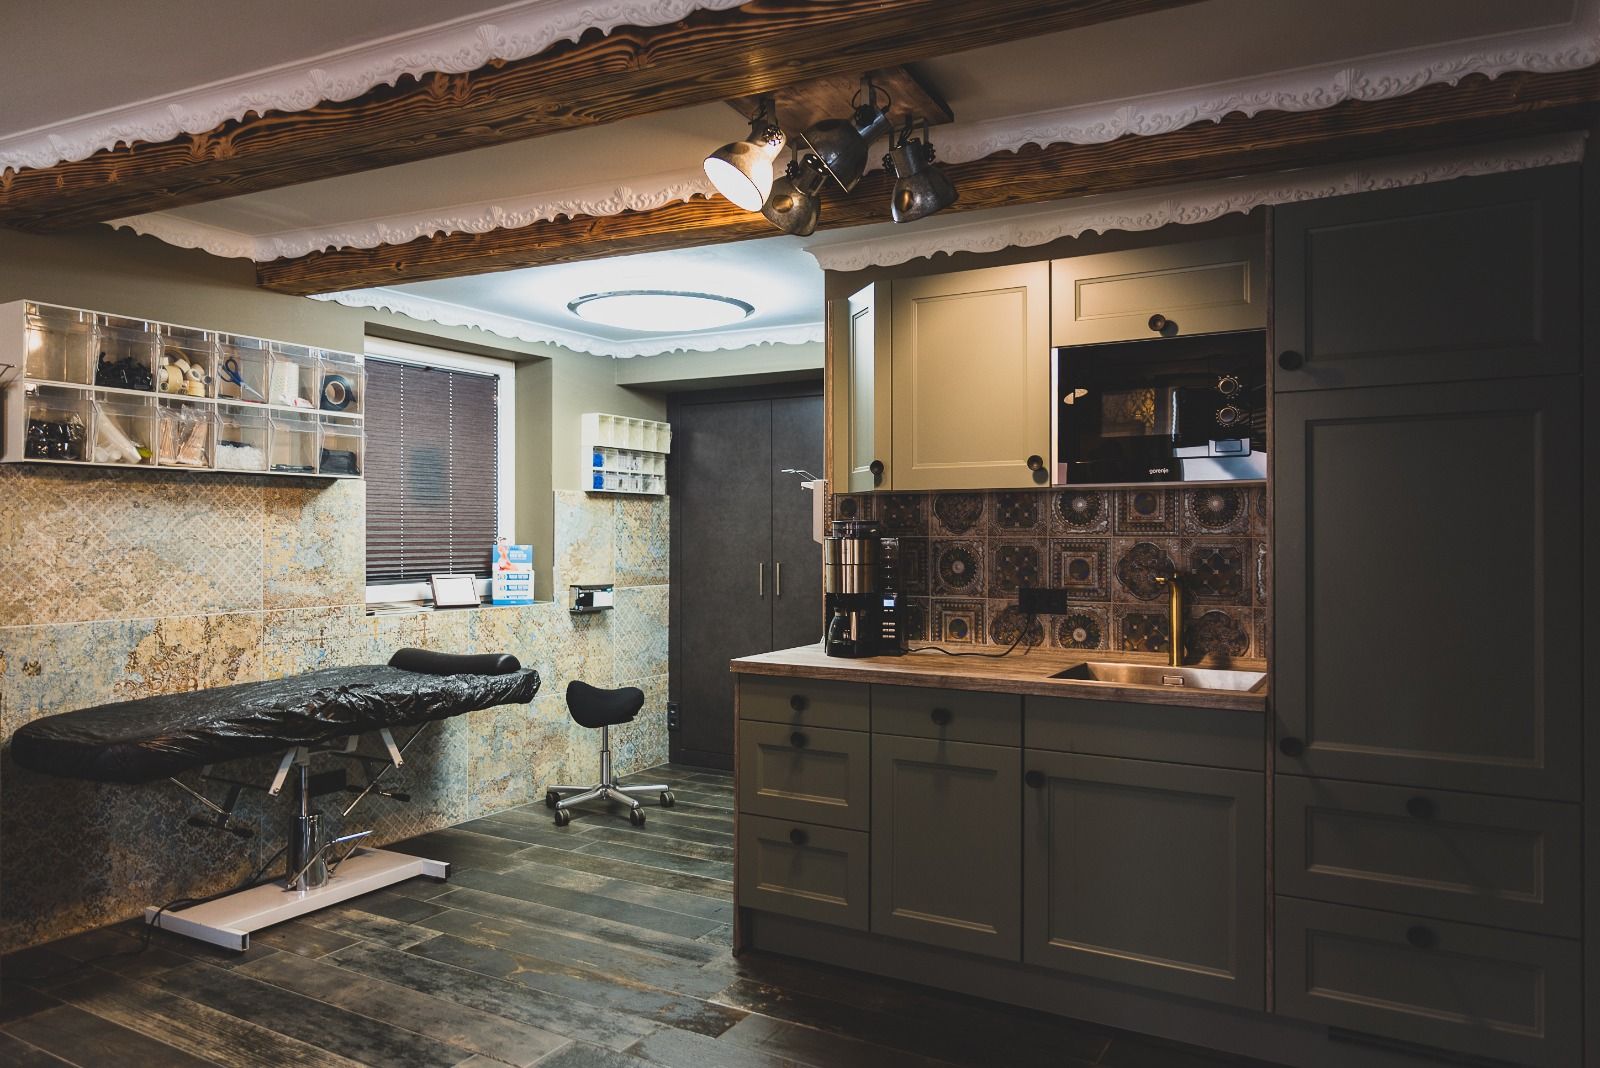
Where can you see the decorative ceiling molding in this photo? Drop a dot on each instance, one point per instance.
(447, 314)
(514, 31)
(1028, 227)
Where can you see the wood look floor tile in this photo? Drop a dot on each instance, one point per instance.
(81, 1038)
(15, 1053)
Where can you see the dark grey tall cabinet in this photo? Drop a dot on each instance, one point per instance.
(746, 574)
(1427, 494)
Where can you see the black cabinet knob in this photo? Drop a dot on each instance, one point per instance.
(1420, 807)
(798, 702)
(1036, 463)
(1158, 322)
(941, 716)
(799, 837)
(1034, 779)
(1291, 360)
(798, 740)
(1291, 747)
(1421, 937)
(876, 467)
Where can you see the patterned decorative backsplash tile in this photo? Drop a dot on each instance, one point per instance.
(965, 555)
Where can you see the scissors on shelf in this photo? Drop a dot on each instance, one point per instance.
(229, 372)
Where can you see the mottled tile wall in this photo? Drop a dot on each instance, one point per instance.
(965, 555)
(121, 585)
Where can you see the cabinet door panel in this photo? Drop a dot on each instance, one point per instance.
(796, 559)
(952, 715)
(971, 377)
(818, 776)
(805, 702)
(1147, 874)
(1426, 580)
(946, 844)
(1474, 278)
(815, 873)
(861, 384)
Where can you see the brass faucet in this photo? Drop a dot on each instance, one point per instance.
(1174, 585)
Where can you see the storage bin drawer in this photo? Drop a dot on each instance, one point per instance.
(799, 869)
(953, 715)
(1215, 737)
(1495, 994)
(1467, 857)
(805, 702)
(804, 773)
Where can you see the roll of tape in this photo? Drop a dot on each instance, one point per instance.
(337, 393)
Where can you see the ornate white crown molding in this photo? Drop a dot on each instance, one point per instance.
(447, 314)
(1027, 227)
(513, 31)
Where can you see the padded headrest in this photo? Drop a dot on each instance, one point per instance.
(427, 662)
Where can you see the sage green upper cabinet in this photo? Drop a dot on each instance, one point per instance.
(1471, 278)
(861, 385)
(971, 374)
(1201, 287)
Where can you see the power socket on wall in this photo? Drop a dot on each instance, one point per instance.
(1042, 601)
(672, 715)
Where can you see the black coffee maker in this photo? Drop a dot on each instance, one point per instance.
(861, 591)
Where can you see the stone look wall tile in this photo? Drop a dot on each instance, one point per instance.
(639, 632)
(314, 543)
(643, 541)
(585, 543)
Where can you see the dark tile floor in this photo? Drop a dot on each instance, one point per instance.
(600, 945)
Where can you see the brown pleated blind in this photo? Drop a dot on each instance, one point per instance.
(432, 471)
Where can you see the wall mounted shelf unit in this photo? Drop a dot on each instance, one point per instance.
(625, 455)
(90, 389)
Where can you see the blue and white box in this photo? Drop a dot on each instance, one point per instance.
(511, 577)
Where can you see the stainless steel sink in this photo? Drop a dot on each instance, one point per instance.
(1159, 675)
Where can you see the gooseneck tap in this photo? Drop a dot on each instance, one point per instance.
(1175, 614)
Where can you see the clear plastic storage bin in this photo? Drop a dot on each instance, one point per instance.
(124, 354)
(243, 436)
(241, 369)
(343, 385)
(184, 433)
(56, 424)
(296, 376)
(340, 453)
(124, 430)
(57, 343)
(294, 443)
(184, 362)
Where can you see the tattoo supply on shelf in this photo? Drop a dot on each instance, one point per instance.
(231, 374)
(126, 373)
(338, 393)
(339, 462)
(180, 375)
(238, 456)
(183, 437)
(55, 439)
(113, 445)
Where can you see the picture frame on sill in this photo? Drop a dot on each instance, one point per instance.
(455, 591)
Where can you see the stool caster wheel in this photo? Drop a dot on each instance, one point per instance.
(636, 817)
(550, 798)
(563, 817)
(667, 800)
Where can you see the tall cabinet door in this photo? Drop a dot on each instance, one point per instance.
(796, 558)
(861, 390)
(1145, 873)
(1428, 591)
(971, 373)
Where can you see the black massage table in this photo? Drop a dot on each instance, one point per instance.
(156, 738)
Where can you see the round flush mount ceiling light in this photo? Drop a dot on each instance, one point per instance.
(664, 311)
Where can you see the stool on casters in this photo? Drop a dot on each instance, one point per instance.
(592, 707)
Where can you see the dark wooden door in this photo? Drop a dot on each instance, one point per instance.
(1428, 585)
(946, 844)
(796, 558)
(722, 541)
(1146, 873)
(1472, 278)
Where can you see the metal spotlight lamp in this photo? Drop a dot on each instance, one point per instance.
(795, 202)
(839, 146)
(920, 188)
(742, 170)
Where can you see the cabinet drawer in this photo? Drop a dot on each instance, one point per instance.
(1494, 994)
(804, 702)
(799, 869)
(1467, 857)
(804, 773)
(1222, 738)
(953, 715)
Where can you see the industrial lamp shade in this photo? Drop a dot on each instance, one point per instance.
(794, 204)
(742, 171)
(840, 146)
(920, 188)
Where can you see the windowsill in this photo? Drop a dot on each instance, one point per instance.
(392, 608)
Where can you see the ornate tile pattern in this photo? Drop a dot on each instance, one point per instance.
(1219, 570)
(957, 513)
(1085, 627)
(903, 513)
(1017, 511)
(1217, 509)
(958, 622)
(957, 567)
(859, 506)
(638, 632)
(1080, 511)
(1007, 624)
(1218, 632)
(1014, 564)
(1147, 510)
(1082, 567)
(643, 540)
(1140, 630)
(1140, 563)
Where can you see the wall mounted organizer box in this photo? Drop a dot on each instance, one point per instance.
(623, 455)
(87, 388)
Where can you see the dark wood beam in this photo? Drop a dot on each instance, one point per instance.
(800, 106)
(1476, 110)
(761, 46)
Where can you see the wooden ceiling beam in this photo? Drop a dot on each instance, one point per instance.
(762, 46)
(1475, 110)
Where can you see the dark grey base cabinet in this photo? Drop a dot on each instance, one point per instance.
(1147, 874)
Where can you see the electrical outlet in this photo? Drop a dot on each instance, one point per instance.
(1042, 601)
(672, 716)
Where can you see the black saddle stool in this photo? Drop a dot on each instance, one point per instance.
(596, 708)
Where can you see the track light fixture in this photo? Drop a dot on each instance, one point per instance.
(839, 146)
(795, 203)
(742, 170)
(920, 188)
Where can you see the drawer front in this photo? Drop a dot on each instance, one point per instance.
(1495, 994)
(800, 869)
(804, 702)
(951, 715)
(1220, 738)
(804, 773)
(1467, 857)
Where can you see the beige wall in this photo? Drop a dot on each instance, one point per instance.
(674, 371)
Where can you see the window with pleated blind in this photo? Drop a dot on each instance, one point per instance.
(432, 471)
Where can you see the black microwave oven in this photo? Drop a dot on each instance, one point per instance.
(1179, 409)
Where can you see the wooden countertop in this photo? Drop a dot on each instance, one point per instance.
(1017, 673)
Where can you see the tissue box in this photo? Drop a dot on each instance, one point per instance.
(511, 580)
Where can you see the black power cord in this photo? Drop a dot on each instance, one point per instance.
(1027, 625)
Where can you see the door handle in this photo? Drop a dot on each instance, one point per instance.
(761, 579)
(777, 578)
